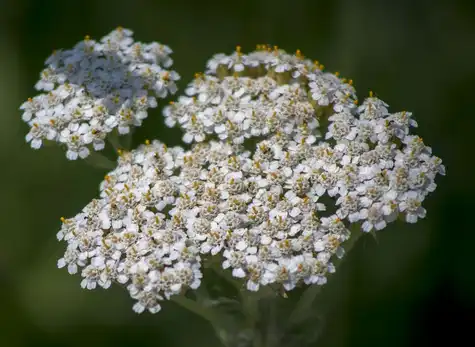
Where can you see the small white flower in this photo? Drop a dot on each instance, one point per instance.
(374, 218)
(411, 205)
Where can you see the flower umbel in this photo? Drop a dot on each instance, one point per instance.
(283, 164)
(95, 88)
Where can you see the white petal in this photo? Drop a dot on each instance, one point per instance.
(72, 269)
(239, 273)
(61, 263)
(367, 226)
(36, 143)
(71, 155)
(252, 286)
(187, 138)
(138, 307)
(380, 225)
(411, 218)
(83, 152)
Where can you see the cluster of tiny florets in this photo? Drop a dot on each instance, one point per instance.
(275, 211)
(96, 88)
(260, 94)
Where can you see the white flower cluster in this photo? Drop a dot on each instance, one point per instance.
(275, 213)
(95, 88)
(265, 92)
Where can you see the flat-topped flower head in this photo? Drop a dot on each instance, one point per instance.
(242, 96)
(277, 211)
(95, 88)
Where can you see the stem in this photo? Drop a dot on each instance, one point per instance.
(209, 314)
(259, 328)
(304, 305)
(113, 139)
(194, 307)
(120, 142)
(227, 275)
(100, 161)
(126, 140)
(249, 300)
(272, 332)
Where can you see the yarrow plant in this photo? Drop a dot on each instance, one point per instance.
(286, 170)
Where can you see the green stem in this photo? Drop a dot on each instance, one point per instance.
(126, 140)
(100, 161)
(208, 314)
(113, 139)
(249, 300)
(262, 326)
(272, 334)
(194, 307)
(120, 142)
(304, 305)
(227, 275)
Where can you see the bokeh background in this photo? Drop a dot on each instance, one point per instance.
(413, 285)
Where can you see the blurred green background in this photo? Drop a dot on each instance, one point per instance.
(414, 285)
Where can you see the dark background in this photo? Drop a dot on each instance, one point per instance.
(413, 286)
